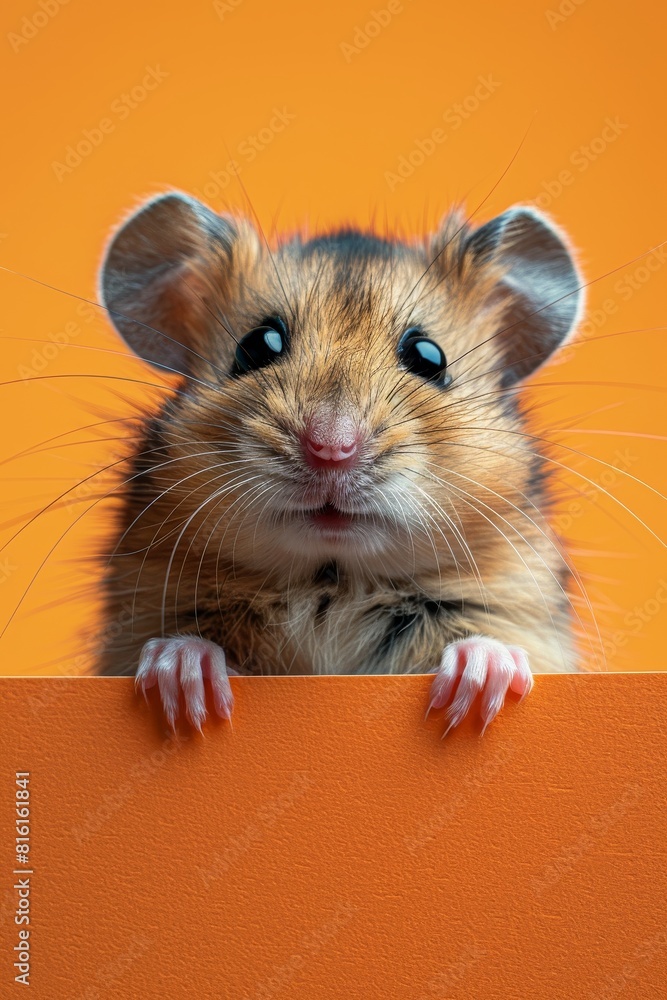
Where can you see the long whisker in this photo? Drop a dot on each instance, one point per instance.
(38, 449)
(524, 460)
(176, 485)
(95, 502)
(127, 319)
(541, 530)
(561, 298)
(538, 357)
(466, 497)
(182, 524)
(441, 407)
(220, 494)
(472, 214)
(472, 562)
(268, 248)
(213, 497)
(581, 454)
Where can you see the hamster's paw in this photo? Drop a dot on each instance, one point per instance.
(180, 663)
(479, 664)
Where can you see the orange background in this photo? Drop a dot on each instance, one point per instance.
(556, 78)
(332, 846)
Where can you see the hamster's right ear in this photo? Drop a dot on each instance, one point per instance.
(163, 275)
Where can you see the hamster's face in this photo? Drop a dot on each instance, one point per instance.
(346, 398)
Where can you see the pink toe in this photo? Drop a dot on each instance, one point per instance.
(445, 680)
(180, 663)
(223, 700)
(145, 681)
(483, 665)
(441, 690)
(522, 680)
(168, 686)
(192, 684)
(214, 667)
(493, 698)
(468, 689)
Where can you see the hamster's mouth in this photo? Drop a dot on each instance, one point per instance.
(335, 528)
(334, 522)
(330, 518)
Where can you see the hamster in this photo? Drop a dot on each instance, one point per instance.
(340, 481)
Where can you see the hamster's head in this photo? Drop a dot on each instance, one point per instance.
(347, 397)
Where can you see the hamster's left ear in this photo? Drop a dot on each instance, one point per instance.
(538, 283)
(166, 278)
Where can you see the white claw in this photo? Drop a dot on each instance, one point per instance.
(180, 663)
(477, 665)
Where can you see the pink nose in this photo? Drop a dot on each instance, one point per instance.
(331, 441)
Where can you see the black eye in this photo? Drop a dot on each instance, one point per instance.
(261, 347)
(423, 357)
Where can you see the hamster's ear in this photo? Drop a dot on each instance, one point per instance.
(537, 282)
(162, 274)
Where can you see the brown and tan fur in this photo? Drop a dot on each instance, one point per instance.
(205, 546)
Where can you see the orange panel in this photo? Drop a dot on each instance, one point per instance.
(333, 846)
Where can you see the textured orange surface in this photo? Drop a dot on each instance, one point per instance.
(333, 846)
(391, 111)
